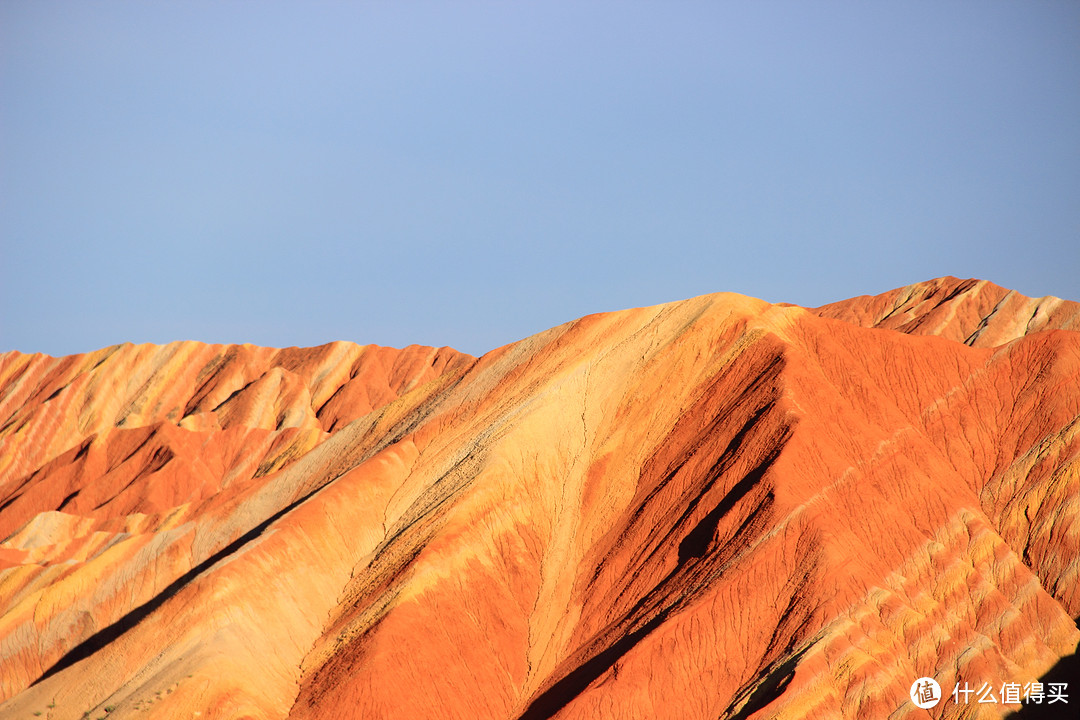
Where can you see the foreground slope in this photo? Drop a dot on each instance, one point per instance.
(717, 508)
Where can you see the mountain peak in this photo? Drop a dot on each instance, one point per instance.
(718, 507)
(974, 312)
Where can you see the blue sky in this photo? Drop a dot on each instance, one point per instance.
(468, 174)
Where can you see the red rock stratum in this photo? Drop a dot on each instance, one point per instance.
(715, 508)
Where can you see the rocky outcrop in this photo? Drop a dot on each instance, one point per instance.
(974, 312)
(716, 508)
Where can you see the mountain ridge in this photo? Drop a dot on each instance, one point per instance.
(584, 523)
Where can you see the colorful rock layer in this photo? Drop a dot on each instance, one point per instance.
(715, 508)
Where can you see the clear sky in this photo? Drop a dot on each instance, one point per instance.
(469, 173)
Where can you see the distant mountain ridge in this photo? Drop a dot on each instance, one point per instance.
(713, 508)
(974, 312)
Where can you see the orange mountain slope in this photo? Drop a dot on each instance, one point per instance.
(715, 508)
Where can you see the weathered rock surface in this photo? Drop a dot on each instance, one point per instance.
(716, 508)
(975, 312)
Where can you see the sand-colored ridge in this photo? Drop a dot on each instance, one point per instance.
(714, 508)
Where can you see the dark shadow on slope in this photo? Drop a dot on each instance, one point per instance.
(161, 457)
(10, 500)
(699, 537)
(559, 695)
(692, 552)
(1067, 670)
(770, 685)
(65, 501)
(103, 637)
(697, 541)
(959, 290)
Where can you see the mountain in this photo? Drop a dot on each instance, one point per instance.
(714, 508)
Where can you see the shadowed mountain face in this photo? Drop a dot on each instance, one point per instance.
(716, 508)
